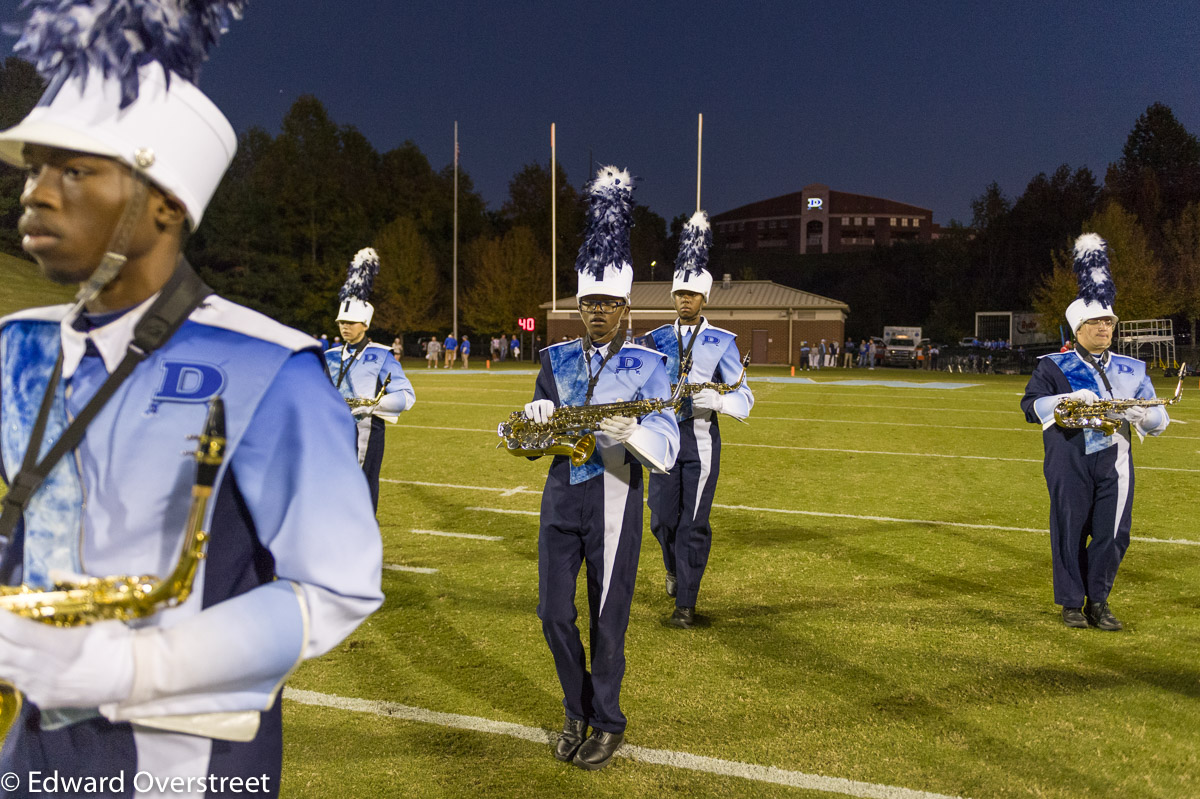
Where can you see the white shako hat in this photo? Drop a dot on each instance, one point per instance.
(694, 244)
(1097, 293)
(122, 85)
(360, 281)
(604, 261)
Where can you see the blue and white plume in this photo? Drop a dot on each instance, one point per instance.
(1092, 270)
(1097, 292)
(360, 276)
(695, 240)
(609, 221)
(70, 38)
(353, 299)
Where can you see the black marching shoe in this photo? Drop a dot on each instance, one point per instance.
(597, 750)
(1073, 617)
(671, 584)
(569, 739)
(1101, 617)
(683, 618)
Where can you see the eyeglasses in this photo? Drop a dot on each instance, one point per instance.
(605, 306)
(1108, 323)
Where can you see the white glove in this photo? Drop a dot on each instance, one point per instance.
(59, 667)
(709, 400)
(619, 427)
(362, 410)
(1136, 415)
(539, 411)
(1084, 395)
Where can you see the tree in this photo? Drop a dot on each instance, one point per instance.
(528, 205)
(1136, 271)
(20, 88)
(1158, 174)
(511, 277)
(647, 242)
(407, 285)
(1183, 259)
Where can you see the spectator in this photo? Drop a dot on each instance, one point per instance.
(432, 350)
(397, 348)
(450, 347)
(848, 354)
(465, 349)
(515, 348)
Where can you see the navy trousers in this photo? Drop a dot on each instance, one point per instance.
(680, 504)
(373, 460)
(598, 522)
(1091, 496)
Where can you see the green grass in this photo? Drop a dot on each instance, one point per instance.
(909, 654)
(24, 287)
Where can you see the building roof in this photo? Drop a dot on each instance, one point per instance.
(741, 294)
(840, 202)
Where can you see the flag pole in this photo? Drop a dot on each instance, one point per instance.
(699, 142)
(455, 257)
(553, 225)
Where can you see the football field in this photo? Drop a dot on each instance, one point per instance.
(877, 614)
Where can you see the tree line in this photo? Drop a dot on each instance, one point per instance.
(294, 207)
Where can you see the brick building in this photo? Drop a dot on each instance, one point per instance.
(820, 220)
(770, 320)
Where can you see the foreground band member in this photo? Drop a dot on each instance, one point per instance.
(1089, 474)
(192, 692)
(594, 512)
(360, 369)
(680, 502)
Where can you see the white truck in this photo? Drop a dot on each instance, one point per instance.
(900, 346)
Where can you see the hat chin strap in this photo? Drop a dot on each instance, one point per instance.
(114, 257)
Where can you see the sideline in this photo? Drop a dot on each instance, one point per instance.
(640, 754)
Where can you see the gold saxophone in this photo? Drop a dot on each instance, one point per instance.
(74, 603)
(364, 402)
(692, 389)
(1101, 415)
(571, 429)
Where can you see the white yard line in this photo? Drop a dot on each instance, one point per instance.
(396, 567)
(790, 511)
(459, 535)
(640, 754)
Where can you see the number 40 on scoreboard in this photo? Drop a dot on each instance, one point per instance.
(526, 323)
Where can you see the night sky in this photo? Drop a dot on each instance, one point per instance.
(923, 103)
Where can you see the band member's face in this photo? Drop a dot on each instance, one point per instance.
(601, 316)
(688, 304)
(72, 203)
(1095, 335)
(352, 332)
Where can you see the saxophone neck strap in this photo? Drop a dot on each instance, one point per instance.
(181, 295)
(358, 350)
(1097, 364)
(614, 347)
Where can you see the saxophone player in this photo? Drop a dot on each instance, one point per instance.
(366, 374)
(1089, 474)
(593, 512)
(120, 164)
(680, 501)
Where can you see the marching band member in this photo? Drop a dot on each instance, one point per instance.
(360, 369)
(680, 501)
(593, 512)
(120, 163)
(1090, 475)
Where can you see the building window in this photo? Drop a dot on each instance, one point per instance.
(783, 223)
(741, 226)
(771, 225)
(845, 220)
(917, 222)
(893, 221)
(871, 221)
(857, 221)
(904, 222)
